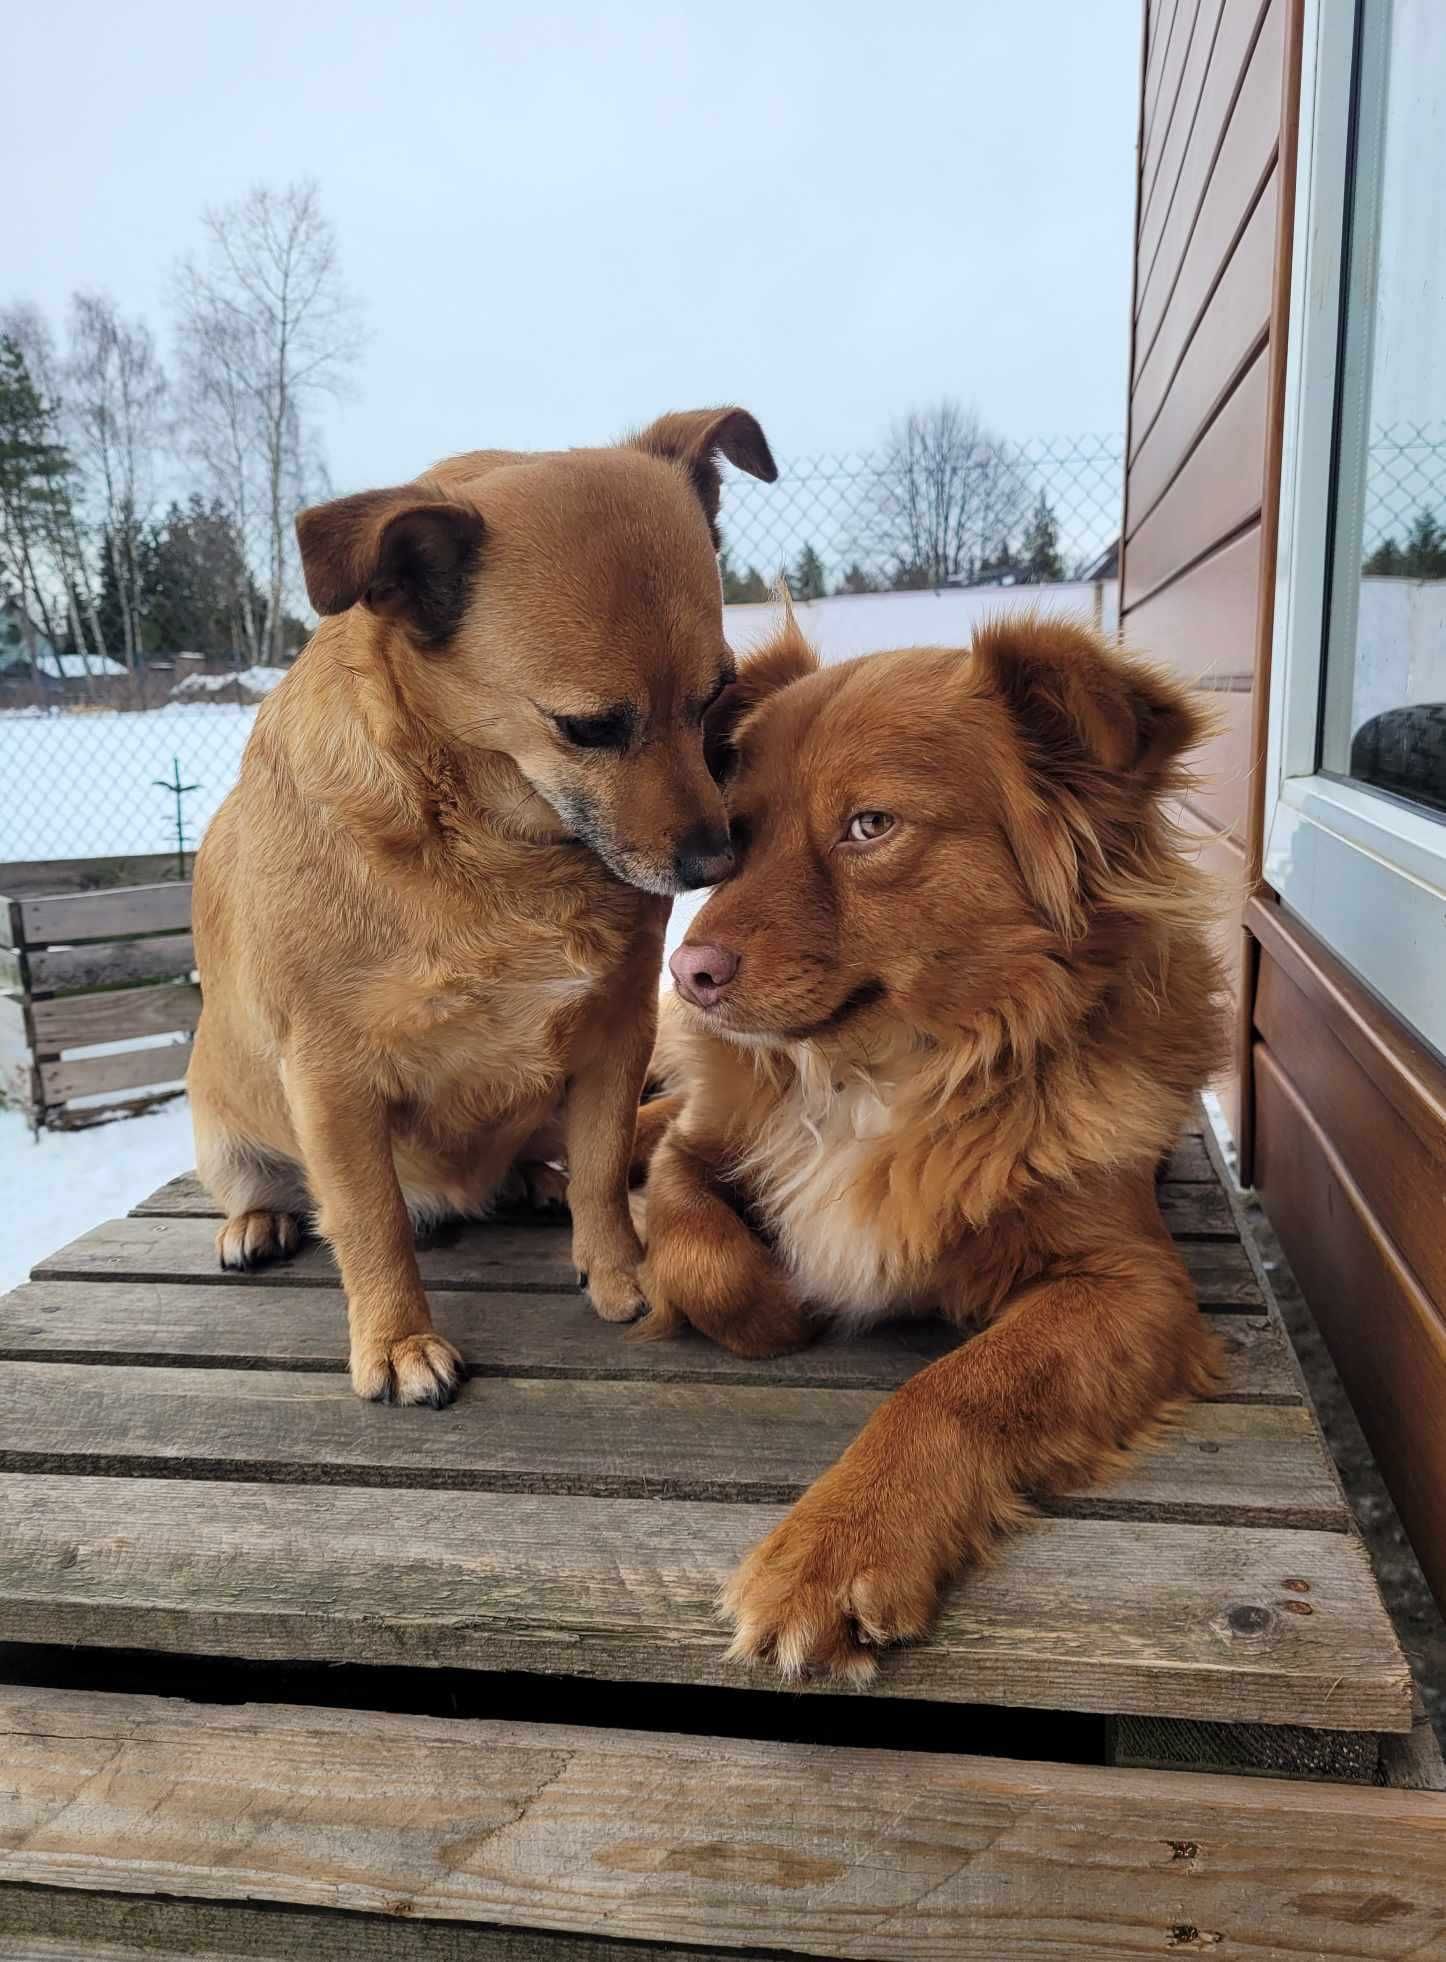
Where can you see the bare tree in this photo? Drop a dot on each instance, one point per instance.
(266, 328)
(950, 490)
(116, 399)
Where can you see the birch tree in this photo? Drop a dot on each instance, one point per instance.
(267, 329)
(116, 402)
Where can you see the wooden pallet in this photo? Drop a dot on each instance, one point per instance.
(291, 1670)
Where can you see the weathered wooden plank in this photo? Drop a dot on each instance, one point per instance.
(1232, 1464)
(889, 1855)
(521, 1258)
(73, 1021)
(128, 1069)
(14, 1036)
(1197, 1212)
(1102, 1615)
(107, 915)
(43, 878)
(509, 1335)
(112, 964)
(60, 1924)
(1189, 1164)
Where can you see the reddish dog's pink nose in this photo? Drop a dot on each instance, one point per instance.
(703, 973)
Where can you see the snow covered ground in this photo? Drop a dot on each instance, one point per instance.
(70, 1181)
(87, 785)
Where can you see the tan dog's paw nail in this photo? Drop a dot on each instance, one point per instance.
(249, 1240)
(614, 1292)
(418, 1369)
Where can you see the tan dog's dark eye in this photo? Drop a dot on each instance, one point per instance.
(865, 826)
(610, 731)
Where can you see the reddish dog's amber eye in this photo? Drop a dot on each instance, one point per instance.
(865, 826)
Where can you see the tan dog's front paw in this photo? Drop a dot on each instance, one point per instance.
(614, 1292)
(416, 1369)
(826, 1590)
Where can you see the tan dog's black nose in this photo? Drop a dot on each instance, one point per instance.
(703, 973)
(703, 858)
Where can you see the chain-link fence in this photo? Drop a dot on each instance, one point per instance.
(132, 754)
(939, 506)
(1405, 501)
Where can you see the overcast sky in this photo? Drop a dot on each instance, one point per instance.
(563, 222)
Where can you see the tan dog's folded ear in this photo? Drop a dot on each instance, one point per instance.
(786, 656)
(1082, 708)
(406, 558)
(696, 438)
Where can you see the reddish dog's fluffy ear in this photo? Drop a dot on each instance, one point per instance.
(696, 438)
(787, 657)
(406, 558)
(1099, 736)
(1082, 709)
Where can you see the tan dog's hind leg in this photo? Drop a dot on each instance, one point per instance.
(262, 1194)
(396, 1355)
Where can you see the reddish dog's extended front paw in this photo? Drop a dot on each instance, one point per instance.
(830, 1587)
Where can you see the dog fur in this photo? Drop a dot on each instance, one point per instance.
(942, 1077)
(429, 918)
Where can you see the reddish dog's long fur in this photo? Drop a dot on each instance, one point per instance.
(952, 1056)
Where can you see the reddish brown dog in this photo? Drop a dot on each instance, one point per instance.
(429, 918)
(935, 1036)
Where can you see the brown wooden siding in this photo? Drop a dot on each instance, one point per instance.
(1350, 1161)
(1204, 385)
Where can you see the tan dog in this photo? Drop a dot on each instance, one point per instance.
(429, 918)
(936, 1034)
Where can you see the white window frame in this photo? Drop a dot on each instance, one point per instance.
(1365, 871)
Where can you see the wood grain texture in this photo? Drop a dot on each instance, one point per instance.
(1400, 1177)
(107, 915)
(545, 1336)
(112, 964)
(1227, 1463)
(1162, 173)
(1241, 85)
(1203, 624)
(894, 1856)
(485, 1259)
(128, 1069)
(59, 1924)
(1094, 1615)
(1231, 332)
(1386, 1335)
(76, 1020)
(1216, 493)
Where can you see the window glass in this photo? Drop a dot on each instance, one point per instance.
(1385, 692)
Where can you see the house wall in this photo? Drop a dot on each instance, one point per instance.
(1206, 368)
(1339, 1110)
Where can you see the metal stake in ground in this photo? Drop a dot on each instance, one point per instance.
(178, 790)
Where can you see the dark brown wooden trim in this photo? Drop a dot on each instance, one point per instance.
(1384, 1333)
(1270, 534)
(1403, 1069)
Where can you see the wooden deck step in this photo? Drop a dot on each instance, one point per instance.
(509, 1334)
(347, 1836)
(512, 1258)
(1228, 1464)
(1118, 1616)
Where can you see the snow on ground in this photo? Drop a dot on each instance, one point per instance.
(69, 1181)
(85, 785)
